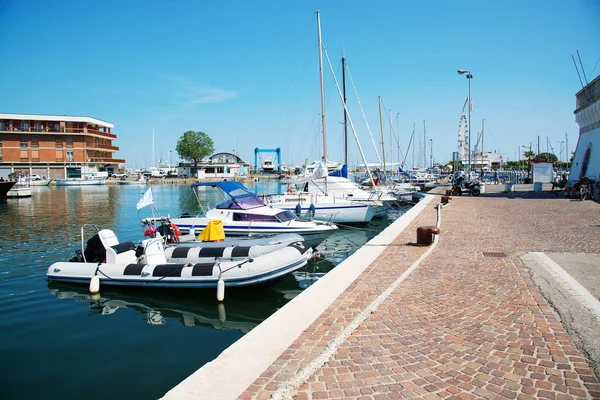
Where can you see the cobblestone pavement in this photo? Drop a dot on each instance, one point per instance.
(467, 323)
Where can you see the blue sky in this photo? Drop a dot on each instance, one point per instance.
(246, 72)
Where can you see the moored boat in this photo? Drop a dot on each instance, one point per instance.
(5, 186)
(22, 187)
(152, 265)
(245, 214)
(140, 181)
(80, 181)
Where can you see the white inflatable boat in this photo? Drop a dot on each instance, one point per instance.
(236, 262)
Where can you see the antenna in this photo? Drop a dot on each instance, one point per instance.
(577, 69)
(582, 70)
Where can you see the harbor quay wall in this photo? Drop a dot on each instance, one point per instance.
(486, 311)
(241, 364)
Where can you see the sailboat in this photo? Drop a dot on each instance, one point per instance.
(320, 203)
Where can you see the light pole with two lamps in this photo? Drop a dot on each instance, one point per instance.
(469, 77)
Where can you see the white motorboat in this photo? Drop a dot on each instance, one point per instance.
(80, 181)
(245, 214)
(140, 181)
(184, 266)
(22, 187)
(37, 180)
(268, 166)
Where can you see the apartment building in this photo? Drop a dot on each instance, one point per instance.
(56, 146)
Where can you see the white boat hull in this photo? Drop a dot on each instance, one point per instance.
(40, 182)
(202, 272)
(133, 183)
(191, 227)
(79, 182)
(19, 191)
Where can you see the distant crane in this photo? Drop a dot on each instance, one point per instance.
(277, 150)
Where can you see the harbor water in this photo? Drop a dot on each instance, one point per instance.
(57, 342)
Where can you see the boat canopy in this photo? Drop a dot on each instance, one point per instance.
(240, 197)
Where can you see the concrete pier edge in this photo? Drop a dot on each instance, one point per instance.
(241, 364)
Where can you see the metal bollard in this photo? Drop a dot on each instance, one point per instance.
(425, 234)
(446, 199)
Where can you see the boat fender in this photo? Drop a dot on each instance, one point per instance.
(311, 211)
(94, 284)
(298, 210)
(220, 289)
(222, 315)
(176, 230)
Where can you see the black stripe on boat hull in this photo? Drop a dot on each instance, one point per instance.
(180, 252)
(240, 251)
(212, 252)
(170, 270)
(134, 269)
(203, 269)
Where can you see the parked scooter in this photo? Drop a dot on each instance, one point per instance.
(460, 186)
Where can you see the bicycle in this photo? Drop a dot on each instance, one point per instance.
(586, 191)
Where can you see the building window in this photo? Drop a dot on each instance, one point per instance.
(35, 147)
(2, 127)
(70, 157)
(24, 126)
(69, 143)
(55, 128)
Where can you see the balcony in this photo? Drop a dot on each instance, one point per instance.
(47, 129)
(104, 160)
(103, 147)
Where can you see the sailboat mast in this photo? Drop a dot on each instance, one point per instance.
(424, 146)
(345, 113)
(381, 129)
(391, 142)
(322, 88)
(482, 145)
(152, 146)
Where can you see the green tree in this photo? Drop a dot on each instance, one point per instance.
(549, 157)
(195, 146)
(529, 154)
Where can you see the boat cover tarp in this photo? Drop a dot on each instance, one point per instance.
(213, 232)
(342, 173)
(319, 172)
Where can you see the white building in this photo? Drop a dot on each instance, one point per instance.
(586, 161)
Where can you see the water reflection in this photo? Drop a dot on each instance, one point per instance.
(190, 308)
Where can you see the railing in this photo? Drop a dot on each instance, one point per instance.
(48, 129)
(106, 160)
(105, 147)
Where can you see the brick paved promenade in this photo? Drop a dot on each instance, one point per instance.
(467, 323)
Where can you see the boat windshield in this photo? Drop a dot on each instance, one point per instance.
(285, 216)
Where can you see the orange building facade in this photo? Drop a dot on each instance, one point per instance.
(56, 146)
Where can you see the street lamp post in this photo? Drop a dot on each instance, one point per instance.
(469, 77)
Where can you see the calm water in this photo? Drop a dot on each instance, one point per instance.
(129, 344)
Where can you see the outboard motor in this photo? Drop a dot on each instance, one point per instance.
(94, 250)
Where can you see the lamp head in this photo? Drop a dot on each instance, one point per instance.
(462, 71)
